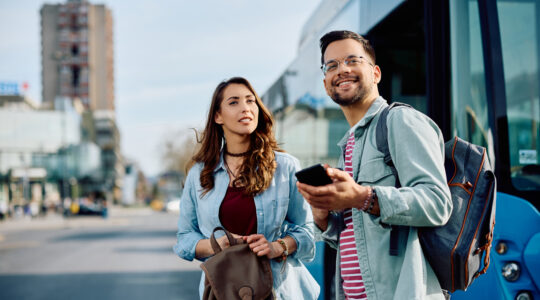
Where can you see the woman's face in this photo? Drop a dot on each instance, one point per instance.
(238, 112)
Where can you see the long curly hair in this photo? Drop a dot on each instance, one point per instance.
(255, 173)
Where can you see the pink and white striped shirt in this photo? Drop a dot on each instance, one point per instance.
(353, 285)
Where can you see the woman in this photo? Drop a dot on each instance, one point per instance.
(242, 181)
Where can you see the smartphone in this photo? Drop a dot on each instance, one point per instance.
(315, 175)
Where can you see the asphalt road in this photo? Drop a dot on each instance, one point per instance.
(127, 256)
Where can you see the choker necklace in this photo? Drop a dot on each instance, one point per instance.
(236, 154)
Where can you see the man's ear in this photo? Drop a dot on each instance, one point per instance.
(326, 86)
(377, 75)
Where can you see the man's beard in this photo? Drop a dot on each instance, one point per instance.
(358, 96)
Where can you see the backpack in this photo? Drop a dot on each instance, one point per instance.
(236, 272)
(456, 250)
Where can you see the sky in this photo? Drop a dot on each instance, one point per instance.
(169, 56)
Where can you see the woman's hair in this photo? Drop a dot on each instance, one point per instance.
(255, 173)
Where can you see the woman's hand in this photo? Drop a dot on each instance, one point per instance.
(224, 241)
(261, 246)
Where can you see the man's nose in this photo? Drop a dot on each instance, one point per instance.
(343, 68)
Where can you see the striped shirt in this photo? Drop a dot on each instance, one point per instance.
(353, 285)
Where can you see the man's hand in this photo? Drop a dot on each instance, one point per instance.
(320, 217)
(343, 193)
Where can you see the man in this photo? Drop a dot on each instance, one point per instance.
(354, 213)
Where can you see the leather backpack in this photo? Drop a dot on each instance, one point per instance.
(236, 272)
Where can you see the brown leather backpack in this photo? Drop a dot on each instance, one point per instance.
(236, 272)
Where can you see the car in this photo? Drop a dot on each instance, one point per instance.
(173, 205)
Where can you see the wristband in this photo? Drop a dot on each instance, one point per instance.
(369, 195)
(285, 249)
(372, 203)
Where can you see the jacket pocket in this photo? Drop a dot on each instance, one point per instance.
(375, 172)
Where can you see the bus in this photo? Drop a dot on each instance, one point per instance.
(472, 66)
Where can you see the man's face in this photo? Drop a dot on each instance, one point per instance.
(353, 83)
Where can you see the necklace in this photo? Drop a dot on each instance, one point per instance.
(229, 169)
(236, 154)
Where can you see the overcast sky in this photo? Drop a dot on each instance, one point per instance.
(169, 56)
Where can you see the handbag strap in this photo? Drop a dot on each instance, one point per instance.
(215, 244)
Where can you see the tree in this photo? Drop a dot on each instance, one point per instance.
(177, 149)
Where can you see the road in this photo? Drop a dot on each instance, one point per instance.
(126, 256)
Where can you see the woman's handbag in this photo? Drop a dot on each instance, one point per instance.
(236, 272)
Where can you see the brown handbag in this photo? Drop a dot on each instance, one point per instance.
(236, 272)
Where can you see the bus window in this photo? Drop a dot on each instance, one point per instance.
(469, 106)
(399, 43)
(520, 40)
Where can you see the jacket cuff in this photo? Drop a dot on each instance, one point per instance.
(390, 202)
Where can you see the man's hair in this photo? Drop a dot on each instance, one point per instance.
(338, 35)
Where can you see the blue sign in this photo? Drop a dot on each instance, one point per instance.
(9, 88)
(309, 100)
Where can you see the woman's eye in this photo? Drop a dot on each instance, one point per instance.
(233, 102)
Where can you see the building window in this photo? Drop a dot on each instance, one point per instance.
(73, 24)
(75, 71)
(74, 50)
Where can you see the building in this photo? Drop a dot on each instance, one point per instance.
(42, 156)
(135, 189)
(107, 137)
(77, 54)
(78, 64)
(17, 102)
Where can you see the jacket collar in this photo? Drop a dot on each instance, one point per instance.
(373, 110)
(220, 164)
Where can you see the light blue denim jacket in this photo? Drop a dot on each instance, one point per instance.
(417, 150)
(281, 211)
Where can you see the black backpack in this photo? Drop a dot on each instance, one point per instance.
(459, 251)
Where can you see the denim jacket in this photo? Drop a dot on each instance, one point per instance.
(417, 150)
(281, 211)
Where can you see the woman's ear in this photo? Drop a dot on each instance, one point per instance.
(218, 119)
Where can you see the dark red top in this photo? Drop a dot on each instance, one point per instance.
(237, 212)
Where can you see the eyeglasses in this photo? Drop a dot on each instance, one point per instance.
(351, 61)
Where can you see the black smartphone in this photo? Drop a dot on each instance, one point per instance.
(315, 175)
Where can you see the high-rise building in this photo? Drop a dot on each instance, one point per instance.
(77, 54)
(77, 64)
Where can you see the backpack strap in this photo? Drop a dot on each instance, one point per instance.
(381, 135)
(215, 244)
